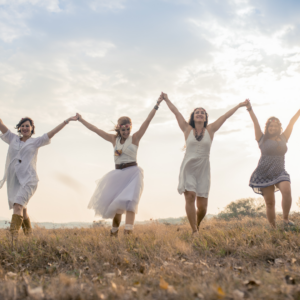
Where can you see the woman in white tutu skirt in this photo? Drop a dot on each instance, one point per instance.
(120, 190)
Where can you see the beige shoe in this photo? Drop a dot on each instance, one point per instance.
(26, 226)
(114, 234)
(127, 231)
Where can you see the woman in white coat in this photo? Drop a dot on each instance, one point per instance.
(20, 168)
(194, 176)
(120, 190)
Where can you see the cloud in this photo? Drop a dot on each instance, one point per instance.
(70, 182)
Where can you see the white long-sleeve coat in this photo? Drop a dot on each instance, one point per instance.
(20, 168)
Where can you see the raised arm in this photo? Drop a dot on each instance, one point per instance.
(107, 136)
(139, 134)
(287, 133)
(3, 128)
(215, 126)
(58, 128)
(257, 129)
(183, 124)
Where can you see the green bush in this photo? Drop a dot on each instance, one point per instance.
(250, 207)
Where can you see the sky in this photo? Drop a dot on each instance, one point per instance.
(107, 59)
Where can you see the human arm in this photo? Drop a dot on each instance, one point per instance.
(215, 126)
(60, 127)
(183, 124)
(139, 134)
(3, 128)
(107, 136)
(288, 131)
(257, 129)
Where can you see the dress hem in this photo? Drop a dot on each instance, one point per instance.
(197, 195)
(260, 187)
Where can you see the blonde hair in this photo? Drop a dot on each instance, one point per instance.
(122, 121)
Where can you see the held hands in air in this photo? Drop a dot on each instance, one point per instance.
(78, 116)
(245, 103)
(160, 98)
(75, 118)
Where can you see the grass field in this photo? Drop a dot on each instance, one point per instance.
(240, 259)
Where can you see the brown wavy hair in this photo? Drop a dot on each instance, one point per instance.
(269, 121)
(23, 120)
(122, 121)
(192, 121)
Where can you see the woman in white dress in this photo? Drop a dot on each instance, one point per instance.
(120, 190)
(20, 168)
(194, 177)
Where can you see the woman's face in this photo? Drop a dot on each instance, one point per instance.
(199, 115)
(274, 128)
(26, 129)
(125, 131)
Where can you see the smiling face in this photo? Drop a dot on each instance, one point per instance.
(125, 130)
(274, 128)
(26, 129)
(200, 115)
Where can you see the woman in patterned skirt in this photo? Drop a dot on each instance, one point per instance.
(270, 175)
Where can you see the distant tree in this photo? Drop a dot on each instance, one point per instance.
(250, 207)
(298, 202)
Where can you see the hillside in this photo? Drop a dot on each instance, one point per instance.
(228, 260)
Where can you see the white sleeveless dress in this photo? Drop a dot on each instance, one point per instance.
(119, 190)
(195, 169)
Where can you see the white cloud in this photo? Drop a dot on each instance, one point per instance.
(111, 5)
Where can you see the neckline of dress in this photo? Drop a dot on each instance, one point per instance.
(192, 131)
(125, 140)
(23, 141)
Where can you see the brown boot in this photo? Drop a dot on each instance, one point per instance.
(26, 226)
(15, 225)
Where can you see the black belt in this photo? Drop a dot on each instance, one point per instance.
(123, 166)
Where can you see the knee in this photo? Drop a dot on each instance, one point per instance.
(190, 197)
(18, 208)
(202, 206)
(270, 203)
(286, 194)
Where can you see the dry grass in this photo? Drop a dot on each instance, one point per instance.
(229, 260)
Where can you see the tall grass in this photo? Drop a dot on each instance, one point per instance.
(228, 260)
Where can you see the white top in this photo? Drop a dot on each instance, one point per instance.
(22, 157)
(129, 151)
(195, 169)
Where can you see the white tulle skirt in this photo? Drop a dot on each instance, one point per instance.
(117, 192)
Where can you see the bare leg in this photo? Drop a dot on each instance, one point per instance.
(190, 209)
(201, 209)
(130, 216)
(25, 214)
(117, 220)
(269, 197)
(285, 189)
(18, 209)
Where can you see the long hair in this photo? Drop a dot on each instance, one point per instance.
(192, 121)
(268, 123)
(121, 121)
(23, 120)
